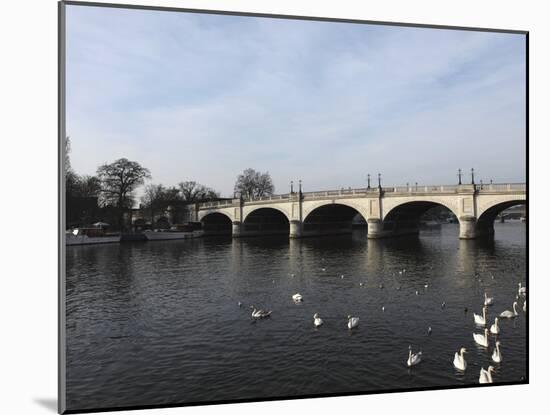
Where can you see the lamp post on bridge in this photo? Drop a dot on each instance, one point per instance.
(459, 177)
(473, 182)
(291, 187)
(300, 188)
(368, 181)
(379, 181)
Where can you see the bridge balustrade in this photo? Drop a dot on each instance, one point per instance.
(493, 187)
(502, 187)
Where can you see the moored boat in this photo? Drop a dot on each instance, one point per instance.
(90, 236)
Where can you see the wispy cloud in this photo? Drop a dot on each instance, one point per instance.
(203, 97)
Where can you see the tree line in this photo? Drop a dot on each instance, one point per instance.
(110, 193)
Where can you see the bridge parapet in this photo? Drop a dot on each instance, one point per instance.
(502, 187)
(422, 189)
(330, 194)
(219, 204)
(372, 192)
(271, 199)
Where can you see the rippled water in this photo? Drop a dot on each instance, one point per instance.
(157, 322)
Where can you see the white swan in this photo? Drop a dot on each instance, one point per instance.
(521, 290)
(260, 313)
(414, 358)
(497, 357)
(489, 300)
(525, 306)
(510, 314)
(297, 297)
(459, 362)
(317, 321)
(481, 319)
(482, 339)
(485, 375)
(353, 322)
(495, 329)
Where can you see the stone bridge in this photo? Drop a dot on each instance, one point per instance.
(388, 211)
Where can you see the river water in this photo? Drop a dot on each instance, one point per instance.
(156, 323)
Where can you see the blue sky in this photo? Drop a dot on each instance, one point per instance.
(203, 97)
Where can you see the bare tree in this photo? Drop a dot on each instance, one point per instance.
(154, 199)
(87, 186)
(192, 191)
(71, 178)
(67, 158)
(172, 193)
(252, 184)
(118, 181)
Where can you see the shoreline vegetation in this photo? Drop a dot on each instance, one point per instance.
(109, 197)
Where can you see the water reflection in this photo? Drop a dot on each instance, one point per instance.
(154, 323)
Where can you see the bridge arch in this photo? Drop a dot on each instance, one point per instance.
(393, 207)
(204, 213)
(488, 204)
(249, 210)
(486, 218)
(266, 221)
(405, 217)
(331, 218)
(217, 223)
(358, 207)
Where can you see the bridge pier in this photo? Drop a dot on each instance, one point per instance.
(375, 228)
(295, 229)
(236, 229)
(468, 227)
